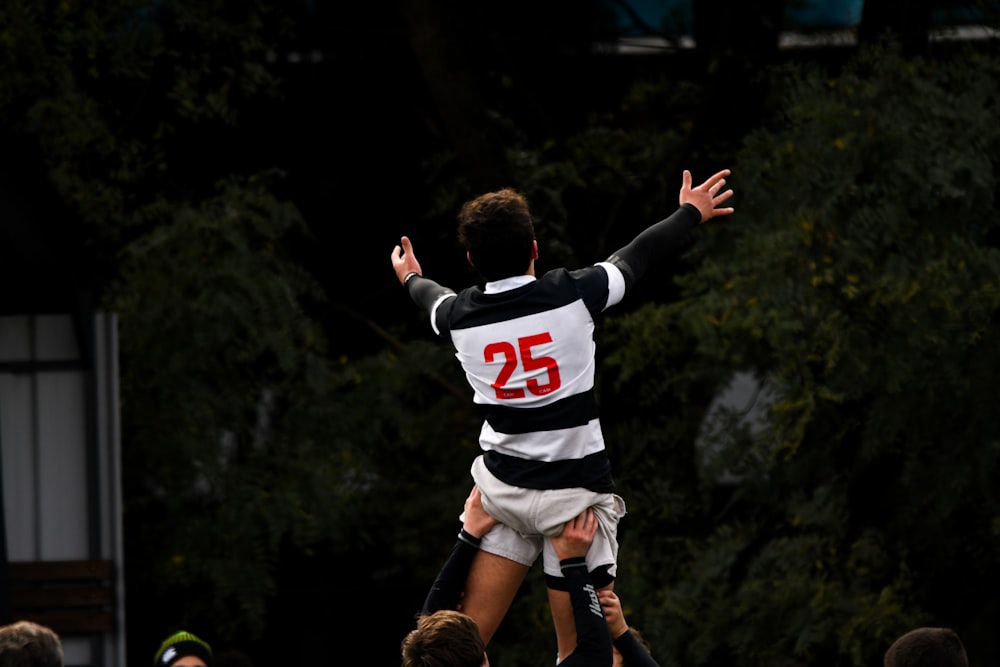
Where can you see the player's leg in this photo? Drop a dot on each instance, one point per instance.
(562, 620)
(505, 553)
(489, 590)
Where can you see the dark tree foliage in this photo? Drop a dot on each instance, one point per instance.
(907, 22)
(235, 445)
(859, 286)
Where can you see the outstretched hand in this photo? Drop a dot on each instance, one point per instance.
(403, 260)
(707, 196)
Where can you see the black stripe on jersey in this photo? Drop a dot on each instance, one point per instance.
(576, 410)
(474, 308)
(592, 472)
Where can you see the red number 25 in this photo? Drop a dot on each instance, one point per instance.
(530, 363)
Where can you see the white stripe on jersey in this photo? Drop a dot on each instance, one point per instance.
(568, 335)
(441, 299)
(616, 284)
(556, 445)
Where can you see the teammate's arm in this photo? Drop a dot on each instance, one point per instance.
(446, 591)
(593, 642)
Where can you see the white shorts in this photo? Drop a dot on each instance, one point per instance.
(528, 516)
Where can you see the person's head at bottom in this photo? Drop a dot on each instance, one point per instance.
(30, 643)
(183, 649)
(927, 647)
(445, 638)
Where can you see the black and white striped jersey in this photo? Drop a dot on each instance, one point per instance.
(527, 348)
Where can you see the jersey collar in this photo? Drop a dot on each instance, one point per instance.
(507, 284)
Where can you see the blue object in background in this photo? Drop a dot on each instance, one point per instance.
(674, 18)
(825, 13)
(671, 18)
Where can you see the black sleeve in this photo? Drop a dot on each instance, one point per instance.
(593, 641)
(655, 243)
(446, 591)
(425, 291)
(633, 653)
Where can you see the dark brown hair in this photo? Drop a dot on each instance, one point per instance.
(497, 231)
(28, 644)
(445, 638)
(927, 647)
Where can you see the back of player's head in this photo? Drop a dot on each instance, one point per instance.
(26, 643)
(927, 647)
(444, 639)
(497, 231)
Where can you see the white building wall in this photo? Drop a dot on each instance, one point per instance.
(53, 509)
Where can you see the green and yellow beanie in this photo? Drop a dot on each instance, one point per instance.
(179, 645)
